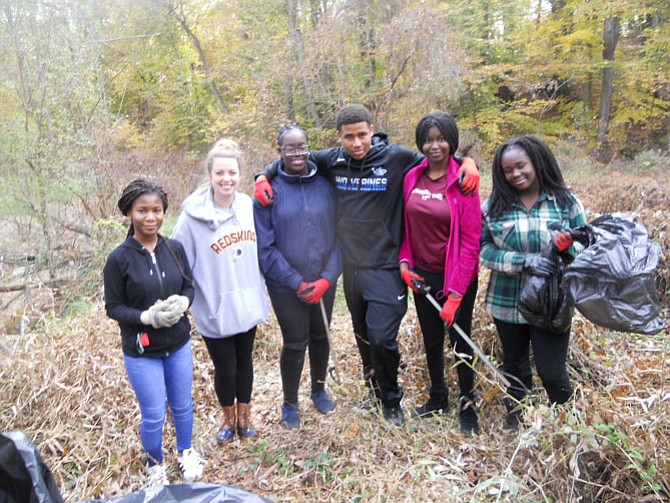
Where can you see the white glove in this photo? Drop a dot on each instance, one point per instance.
(180, 302)
(176, 306)
(156, 316)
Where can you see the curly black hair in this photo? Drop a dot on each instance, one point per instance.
(353, 114)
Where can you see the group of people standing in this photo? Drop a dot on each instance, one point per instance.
(386, 218)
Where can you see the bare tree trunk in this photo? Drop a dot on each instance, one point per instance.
(316, 11)
(181, 17)
(611, 37)
(289, 104)
(299, 46)
(367, 40)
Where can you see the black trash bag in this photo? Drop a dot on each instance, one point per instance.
(24, 476)
(612, 281)
(188, 493)
(542, 302)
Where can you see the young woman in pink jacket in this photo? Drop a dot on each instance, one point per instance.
(441, 249)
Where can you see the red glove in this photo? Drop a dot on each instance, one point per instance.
(263, 191)
(468, 177)
(313, 292)
(409, 276)
(449, 310)
(563, 241)
(301, 289)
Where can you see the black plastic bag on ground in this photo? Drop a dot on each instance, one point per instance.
(24, 476)
(189, 493)
(612, 281)
(542, 302)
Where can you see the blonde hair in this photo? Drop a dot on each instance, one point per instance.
(224, 148)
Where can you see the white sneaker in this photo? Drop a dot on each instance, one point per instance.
(157, 476)
(191, 465)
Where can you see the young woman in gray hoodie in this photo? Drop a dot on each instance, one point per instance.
(216, 228)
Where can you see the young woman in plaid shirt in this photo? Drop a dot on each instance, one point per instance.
(528, 193)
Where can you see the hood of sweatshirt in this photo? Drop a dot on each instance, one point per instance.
(200, 206)
(311, 175)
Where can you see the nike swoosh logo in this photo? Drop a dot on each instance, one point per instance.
(400, 297)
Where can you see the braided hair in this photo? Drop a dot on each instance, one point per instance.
(290, 128)
(445, 124)
(138, 188)
(141, 187)
(504, 196)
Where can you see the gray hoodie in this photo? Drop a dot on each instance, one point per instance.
(230, 295)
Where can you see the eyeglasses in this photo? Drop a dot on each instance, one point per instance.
(302, 150)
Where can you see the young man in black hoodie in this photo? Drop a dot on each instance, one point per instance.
(368, 173)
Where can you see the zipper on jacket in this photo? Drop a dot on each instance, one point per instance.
(160, 274)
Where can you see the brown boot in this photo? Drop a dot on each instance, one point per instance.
(245, 428)
(227, 430)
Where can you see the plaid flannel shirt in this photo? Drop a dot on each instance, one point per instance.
(508, 238)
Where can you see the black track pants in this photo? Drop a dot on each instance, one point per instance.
(377, 301)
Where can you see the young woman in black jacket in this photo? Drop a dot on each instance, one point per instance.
(148, 288)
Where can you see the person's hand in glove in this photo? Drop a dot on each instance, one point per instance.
(303, 290)
(450, 309)
(313, 292)
(175, 306)
(563, 240)
(539, 266)
(410, 277)
(156, 315)
(468, 176)
(177, 302)
(263, 191)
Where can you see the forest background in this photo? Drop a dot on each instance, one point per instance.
(94, 93)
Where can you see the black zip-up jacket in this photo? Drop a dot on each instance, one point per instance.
(369, 200)
(134, 282)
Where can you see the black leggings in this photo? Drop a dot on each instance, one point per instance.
(233, 366)
(432, 328)
(550, 351)
(302, 327)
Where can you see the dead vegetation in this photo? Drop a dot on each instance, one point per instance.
(62, 383)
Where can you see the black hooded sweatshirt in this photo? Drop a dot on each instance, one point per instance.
(134, 281)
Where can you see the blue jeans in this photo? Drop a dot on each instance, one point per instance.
(154, 380)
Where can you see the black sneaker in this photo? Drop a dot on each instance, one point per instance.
(513, 417)
(468, 417)
(394, 415)
(437, 404)
(430, 409)
(512, 421)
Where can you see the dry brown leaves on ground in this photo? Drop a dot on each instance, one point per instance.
(64, 385)
(66, 389)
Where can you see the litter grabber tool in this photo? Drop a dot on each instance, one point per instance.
(425, 290)
(333, 370)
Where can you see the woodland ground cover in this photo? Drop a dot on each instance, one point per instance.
(62, 383)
